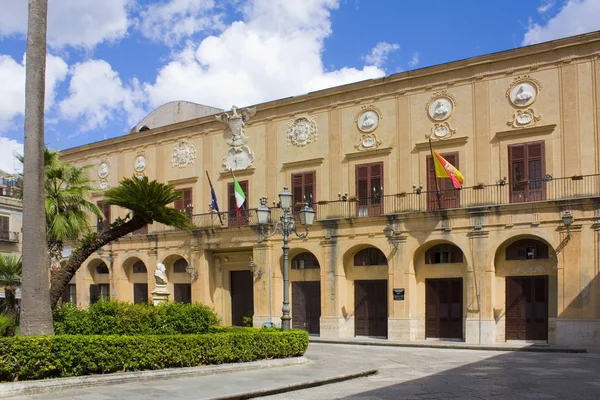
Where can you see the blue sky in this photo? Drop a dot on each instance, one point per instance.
(111, 62)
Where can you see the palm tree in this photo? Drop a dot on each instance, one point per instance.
(36, 315)
(148, 202)
(10, 277)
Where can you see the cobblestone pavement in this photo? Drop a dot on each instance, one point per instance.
(404, 373)
(425, 373)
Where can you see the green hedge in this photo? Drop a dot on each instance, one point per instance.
(119, 318)
(25, 358)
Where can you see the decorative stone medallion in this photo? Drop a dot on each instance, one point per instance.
(103, 184)
(184, 154)
(441, 130)
(368, 141)
(440, 106)
(140, 163)
(238, 158)
(237, 122)
(523, 118)
(367, 119)
(103, 170)
(523, 91)
(302, 130)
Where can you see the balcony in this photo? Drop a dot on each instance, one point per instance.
(6, 236)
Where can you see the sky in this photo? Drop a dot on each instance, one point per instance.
(111, 62)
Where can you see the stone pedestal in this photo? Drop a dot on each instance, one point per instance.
(160, 295)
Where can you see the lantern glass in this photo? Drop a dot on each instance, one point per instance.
(388, 231)
(285, 198)
(307, 215)
(262, 213)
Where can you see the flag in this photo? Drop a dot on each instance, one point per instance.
(443, 169)
(213, 195)
(240, 197)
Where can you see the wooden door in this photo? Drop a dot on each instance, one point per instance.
(443, 308)
(449, 195)
(370, 308)
(527, 308)
(306, 306)
(103, 224)
(235, 218)
(182, 293)
(140, 293)
(527, 170)
(303, 190)
(242, 296)
(369, 189)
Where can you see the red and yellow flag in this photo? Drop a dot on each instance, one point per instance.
(443, 169)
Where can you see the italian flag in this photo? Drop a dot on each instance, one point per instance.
(240, 197)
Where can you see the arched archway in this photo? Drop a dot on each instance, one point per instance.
(441, 290)
(305, 281)
(100, 286)
(525, 296)
(179, 280)
(366, 292)
(137, 276)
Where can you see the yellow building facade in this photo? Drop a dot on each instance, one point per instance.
(513, 255)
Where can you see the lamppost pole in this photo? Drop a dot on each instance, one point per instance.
(286, 225)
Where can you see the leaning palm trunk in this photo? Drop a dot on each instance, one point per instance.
(36, 315)
(62, 277)
(11, 307)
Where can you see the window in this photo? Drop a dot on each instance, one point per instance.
(183, 293)
(103, 224)
(234, 218)
(303, 189)
(4, 227)
(102, 268)
(443, 254)
(70, 294)
(139, 268)
(449, 195)
(527, 170)
(140, 293)
(97, 292)
(369, 256)
(184, 204)
(527, 249)
(180, 265)
(305, 261)
(369, 189)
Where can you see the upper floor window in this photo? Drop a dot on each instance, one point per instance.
(443, 254)
(449, 195)
(103, 224)
(369, 256)
(102, 268)
(139, 267)
(185, 204)
(305, 260)
(527, 170)
(4, 226)
(180, 265)
(527, 249)
(369, 189)
(237, 217)
(303, 189)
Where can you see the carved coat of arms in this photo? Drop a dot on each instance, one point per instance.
(184, 154)
(302, 130)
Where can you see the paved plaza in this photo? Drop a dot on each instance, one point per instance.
(404, 373)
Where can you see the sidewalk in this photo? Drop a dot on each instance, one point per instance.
(449, 344)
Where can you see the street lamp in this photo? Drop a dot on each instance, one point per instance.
(286, 225)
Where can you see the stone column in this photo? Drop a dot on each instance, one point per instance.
(264, 308)
(399, 320)
(333, 323)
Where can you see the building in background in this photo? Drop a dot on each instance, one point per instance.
(11, 220)
(513, 255)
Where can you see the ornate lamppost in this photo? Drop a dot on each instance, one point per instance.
(286, 225)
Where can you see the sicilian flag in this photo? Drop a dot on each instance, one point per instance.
(213, 195)
(240, 196)
(443, 169)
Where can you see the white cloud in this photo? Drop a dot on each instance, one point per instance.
(80, 23)
(171, 20)
(380, 53)
(8, 149)
(414, 61)
(274, 52)
(576, 17)
(12, 82)
(97, 94)
(545, 6)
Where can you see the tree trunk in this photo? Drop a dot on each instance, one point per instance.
(11, 307)
(36, 314)
(62, 277)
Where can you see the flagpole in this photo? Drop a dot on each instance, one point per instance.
(239, 208)
(437, 186)
(211, 196)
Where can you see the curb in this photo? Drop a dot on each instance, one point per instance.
(532, 348)
(299, 385)
(11, 389)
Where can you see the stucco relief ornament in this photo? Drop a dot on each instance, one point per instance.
(236, 122)
(440, 106)
(238, 158)
(140, 163)
(368, 141)
(523, 118)
(302, 130)
(441, 130)
(367, 119)
(523, 91)
(103, 170)
(103, 184)
(184, 154)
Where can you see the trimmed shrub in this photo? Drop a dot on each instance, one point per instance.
(25, 358)
(119, 318)
(5, 323)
